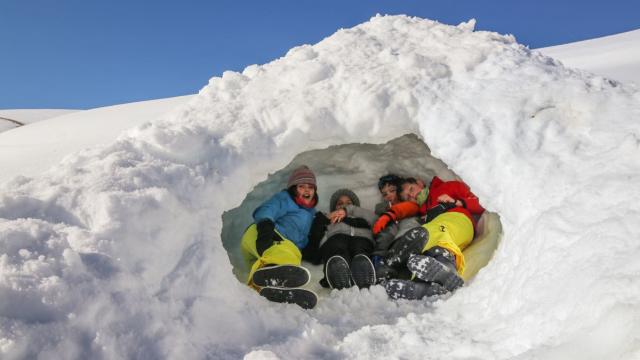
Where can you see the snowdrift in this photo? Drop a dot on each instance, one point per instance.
(117, 252)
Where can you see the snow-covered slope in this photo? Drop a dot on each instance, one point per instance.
(29, 116)
(117, 252)
(30, 150)
(616, 56)
(10, 119)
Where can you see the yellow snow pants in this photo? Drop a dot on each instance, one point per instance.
(452, 231)
(284, 252)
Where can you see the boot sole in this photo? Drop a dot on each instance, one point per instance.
(427, 268)
(285, 276)
(304, 298)
(412, 242)
(412, 290)
(337, 272)
(362, 271)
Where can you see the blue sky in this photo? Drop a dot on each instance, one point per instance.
(88, 53)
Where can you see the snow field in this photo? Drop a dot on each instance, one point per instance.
(613, 56)
(31, 150)
(117, 252)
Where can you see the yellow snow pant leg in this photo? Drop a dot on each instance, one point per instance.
(452, 231)
(284, 252)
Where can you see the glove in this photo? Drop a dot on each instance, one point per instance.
(382, 222)
(265, 235)
(437, 210)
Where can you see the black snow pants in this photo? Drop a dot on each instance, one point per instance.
(345, 246)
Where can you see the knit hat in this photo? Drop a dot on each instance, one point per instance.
(343, 192)
(301, 175)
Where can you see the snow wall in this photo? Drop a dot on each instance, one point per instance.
(117, 253)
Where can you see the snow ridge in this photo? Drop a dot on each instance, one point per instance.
(116, 252)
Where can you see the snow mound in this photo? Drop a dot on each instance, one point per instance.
(117, 253)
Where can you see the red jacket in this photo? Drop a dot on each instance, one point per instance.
(456, 189)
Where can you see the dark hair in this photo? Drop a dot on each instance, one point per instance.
(389, 179)
(292, 192)
(409, 180)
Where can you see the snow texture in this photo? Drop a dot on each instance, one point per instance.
(11, 119)
(31, 150)
(117, 251)
(615, 56)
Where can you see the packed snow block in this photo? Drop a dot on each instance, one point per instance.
(485, 242)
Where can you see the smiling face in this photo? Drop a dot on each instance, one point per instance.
(389, 193)
(410, 191)
(305, 192)
(343, 201)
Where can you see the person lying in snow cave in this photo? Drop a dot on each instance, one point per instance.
(389, 187)
(272, 244)
(342, 241)
(433, 251)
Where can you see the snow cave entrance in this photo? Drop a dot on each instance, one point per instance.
(357, 167)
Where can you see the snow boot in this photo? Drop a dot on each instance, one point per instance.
(337, 273)
(304, 298)
(285, 276)
(437, 265)
(412, 242)
(412, 290)
(362, 271)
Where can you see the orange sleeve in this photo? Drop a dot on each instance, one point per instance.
(404, 210)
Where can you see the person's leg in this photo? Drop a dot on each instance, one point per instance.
(335, 245)
(413, 289)
(412, 242)
(359, 245)
(384, 240)
(248, 247)
(442, 260)
(451, 231)
(362, 269)
(282, 252)
(335, 252)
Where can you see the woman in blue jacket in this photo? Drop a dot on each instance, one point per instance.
(280, 230)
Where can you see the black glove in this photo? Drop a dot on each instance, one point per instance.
(265, 235)
(311, 252)
(437, 210)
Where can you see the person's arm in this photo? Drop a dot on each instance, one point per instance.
(404, 210)
(382, 207)
(311, 252)
(265, 217)
(397, 212)
(358, 212)
(271, 209)
(266, 232)
(465, 198)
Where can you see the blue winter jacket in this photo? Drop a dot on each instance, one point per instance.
(292, 220)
